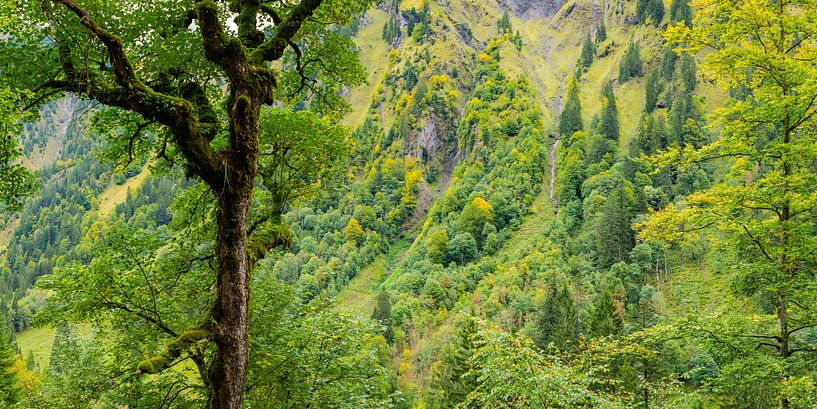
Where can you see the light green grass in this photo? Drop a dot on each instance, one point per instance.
(373, 56)
(357, 296)
(40, 340)
(116, 194)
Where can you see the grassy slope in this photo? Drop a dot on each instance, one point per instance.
(374, 57)
(357, 297)
(116, 194)
(40, 339)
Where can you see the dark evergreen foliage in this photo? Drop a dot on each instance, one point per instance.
(631, 64)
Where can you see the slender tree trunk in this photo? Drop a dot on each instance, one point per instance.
(228, 371)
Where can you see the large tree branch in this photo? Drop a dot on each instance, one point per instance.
(178, 114)
(122, 67)
(273, 49)
(223, 50)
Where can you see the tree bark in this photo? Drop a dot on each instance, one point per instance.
(228, 371)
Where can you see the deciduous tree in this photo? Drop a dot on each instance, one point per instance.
(188, 88)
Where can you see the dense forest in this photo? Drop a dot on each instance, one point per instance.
(412, 204)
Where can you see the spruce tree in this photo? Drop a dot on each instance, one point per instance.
(605, 319)
(9, 386)
(614, 234)
(450, 383)
(588, 51)
(642, 10)
(653, 90)
(410, 76)
(608, 123)
(656, 11)
(681, 11)
(504, 24)
(668, 63)
(570, 120)
(601, 32)
(64, 350)
(31, 363)
(557, 320)
(382, 314)
(688, 69)
(631, 65)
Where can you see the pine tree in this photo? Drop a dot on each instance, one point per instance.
(688, 69)
(653, 90)
(631, 65)
(605, 319)
(601, 32)
(608, 123)
(614, 234)
(450, 383)
(681, 11)
(557, 320)
(504, 24)
(656, 11)
(588, 51)
(570, 120)
(382, 314)
(9, 386)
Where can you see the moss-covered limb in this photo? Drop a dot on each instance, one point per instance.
(267, 236)
(129, 93)
(247, 20)
(273, 49)
(173, 351)
(225, 51)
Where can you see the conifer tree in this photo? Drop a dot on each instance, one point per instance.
(601, 32)
(668, 63)
(608, 122)
(614, 234)
(680, 11)
(605, 319)
(557, 320)
(653, 90)
(504, 24)
(588, 51)
(450, 382)
(656, 11)
(570, 120)
(652, 9)
(688, 76)
(9, 387)
(31, 363)
(410, 76)
(631, 65)
(641, 10)
(382, 314)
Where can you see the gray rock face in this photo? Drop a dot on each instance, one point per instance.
(530, 9)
